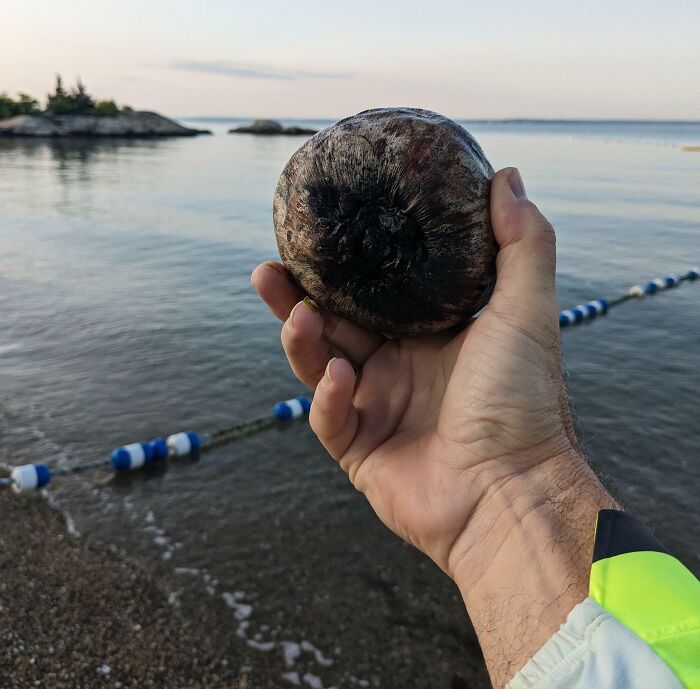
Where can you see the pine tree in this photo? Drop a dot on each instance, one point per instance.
(59, 102)
(78, 101)
(60, 91)
(83, 102)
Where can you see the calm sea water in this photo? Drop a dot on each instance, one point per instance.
(126, 312)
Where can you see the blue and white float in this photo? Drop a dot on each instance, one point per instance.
(183, 444)
(583, 312)
(136, 455)
(599, 307)
(292, 409)
(30, 477)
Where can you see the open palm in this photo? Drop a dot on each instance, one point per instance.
(428, 425)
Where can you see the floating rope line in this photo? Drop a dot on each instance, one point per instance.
(29, 477)
(599, 307)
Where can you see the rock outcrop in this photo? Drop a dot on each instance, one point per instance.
(132, 124)
(270, 127)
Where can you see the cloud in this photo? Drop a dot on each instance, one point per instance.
(243, 70)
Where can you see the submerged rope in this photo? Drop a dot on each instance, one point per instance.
(30, 477)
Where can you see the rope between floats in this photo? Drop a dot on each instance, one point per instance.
(29, 477)
(600, 307)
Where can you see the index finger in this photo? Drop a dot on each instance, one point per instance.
(279, 292)
(271, 281)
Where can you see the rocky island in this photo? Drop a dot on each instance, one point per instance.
(134, 124)
(76, 113)
(271, 127)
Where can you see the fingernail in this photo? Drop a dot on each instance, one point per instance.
(275, 266)
(311, 304)
(293, 312)
(515, 182)
(329, 368)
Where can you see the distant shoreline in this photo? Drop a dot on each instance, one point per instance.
(513, 120)
(671, 133)
(141, 124)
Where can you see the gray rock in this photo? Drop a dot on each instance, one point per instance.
(133, 124)
(270, 127)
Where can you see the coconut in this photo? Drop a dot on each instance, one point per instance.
(383, 219)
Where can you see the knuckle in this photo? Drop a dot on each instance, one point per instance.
(506, 216)
(525, 219)
(534, 216)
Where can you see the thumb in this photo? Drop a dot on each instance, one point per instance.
(526, 260)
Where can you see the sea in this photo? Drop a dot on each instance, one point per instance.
(127, 313)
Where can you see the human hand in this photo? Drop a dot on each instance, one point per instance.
(430, 424)
(457, 440)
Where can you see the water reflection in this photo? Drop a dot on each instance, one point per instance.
(66, 151)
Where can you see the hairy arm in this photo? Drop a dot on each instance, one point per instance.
(523, 562)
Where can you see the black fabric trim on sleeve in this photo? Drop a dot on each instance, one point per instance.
(618, 532)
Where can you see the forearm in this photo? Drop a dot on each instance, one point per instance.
(524, 559)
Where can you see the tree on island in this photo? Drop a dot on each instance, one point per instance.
(24, 105)
(77, 101)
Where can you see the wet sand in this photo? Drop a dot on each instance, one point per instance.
(75, 613)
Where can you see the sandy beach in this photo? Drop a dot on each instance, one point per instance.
(75, 613)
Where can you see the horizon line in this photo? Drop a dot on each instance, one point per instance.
(499, 120)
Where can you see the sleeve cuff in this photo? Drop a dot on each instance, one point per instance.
(592, 650)
(636, 580)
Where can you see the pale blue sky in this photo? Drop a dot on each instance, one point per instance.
(588, 59)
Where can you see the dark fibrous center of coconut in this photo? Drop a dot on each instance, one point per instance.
(374, 239)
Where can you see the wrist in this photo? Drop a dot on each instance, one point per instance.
(523, 561)
(558, 495)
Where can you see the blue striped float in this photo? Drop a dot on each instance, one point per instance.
(292, 409)
(583, 312)
(599, 307)
(30, 477)
(136, 455)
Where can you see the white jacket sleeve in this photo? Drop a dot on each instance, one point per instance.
(592, 650)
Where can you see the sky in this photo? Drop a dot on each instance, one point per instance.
(327, 59)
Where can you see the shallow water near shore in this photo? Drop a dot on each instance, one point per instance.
(126, 312)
